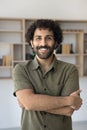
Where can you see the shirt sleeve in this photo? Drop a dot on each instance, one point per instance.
(71, 81)
(20, 78)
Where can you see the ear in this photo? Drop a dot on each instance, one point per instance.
(31, 42)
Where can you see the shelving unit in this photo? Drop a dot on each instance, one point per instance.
(13, 43)
(11, 31)
(74, 37)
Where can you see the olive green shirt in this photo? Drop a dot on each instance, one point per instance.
(60, 80)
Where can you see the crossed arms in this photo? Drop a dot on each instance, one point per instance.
(52, 104)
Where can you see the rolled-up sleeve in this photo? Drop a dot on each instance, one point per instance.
(20, 78)
(72, 81)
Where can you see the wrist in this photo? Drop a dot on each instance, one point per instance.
(69, 100)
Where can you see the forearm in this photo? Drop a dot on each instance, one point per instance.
(40, 102)
(67, 111)
(45, 102)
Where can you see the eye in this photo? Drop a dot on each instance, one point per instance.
(49, 38)
(37, 38)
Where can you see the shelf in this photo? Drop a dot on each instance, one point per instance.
(18, 61)
(72, 31)
(4, 78)
(11, 31)
(5, 67)
(64, 55)
(13, 43)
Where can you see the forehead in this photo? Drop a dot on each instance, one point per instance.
(41, 31)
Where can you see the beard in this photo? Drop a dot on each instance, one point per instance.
(44, 55)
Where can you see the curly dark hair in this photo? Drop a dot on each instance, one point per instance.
(45, 24)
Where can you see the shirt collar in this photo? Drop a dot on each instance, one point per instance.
(36, 64)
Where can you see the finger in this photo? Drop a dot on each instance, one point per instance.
(78, 91)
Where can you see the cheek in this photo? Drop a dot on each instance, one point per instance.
(53, 45)
(34, 47)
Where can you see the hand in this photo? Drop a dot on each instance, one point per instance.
(20, 104)
(76, 93)
(70, 111)
(77, 101)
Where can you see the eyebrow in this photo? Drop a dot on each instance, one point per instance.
(40, 35)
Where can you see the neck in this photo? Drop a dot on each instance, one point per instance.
(45, 63)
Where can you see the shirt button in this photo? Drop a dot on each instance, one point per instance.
(45, 89)
(45, 113)
(45, 126)
(44, 77)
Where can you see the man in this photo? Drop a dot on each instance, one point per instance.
(47, 89)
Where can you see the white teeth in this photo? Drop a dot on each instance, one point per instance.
(43, 49)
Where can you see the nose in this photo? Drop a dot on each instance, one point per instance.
(43, 43)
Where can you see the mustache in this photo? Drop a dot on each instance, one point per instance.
(45, 47)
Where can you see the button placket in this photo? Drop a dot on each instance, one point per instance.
(45, 113)
(44, 78)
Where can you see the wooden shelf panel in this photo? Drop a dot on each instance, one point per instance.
(18, 61)
(11, 31)
(12, 34)
(72, 31)
(6, 67)
(69, 55)
(4, 78)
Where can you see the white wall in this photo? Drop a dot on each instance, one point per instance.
(81, 114)
(10, 112)
(56, 9)
(61, 9)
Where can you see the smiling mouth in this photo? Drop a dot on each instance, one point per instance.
(43, 50)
